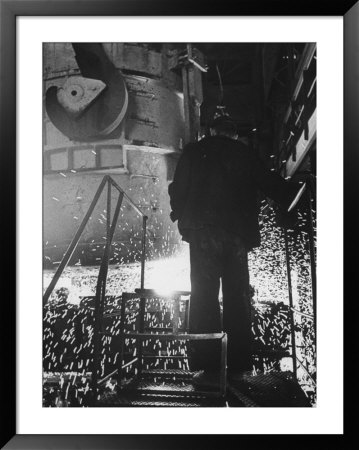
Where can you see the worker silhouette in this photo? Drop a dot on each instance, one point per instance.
(214, 198)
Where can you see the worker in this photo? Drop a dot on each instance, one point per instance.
(214, 198)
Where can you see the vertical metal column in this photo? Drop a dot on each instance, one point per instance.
(142, 300)
(312, 262)
(143, 250)
(176, 313)
(192, 95)
(223, 374)
(108, 213)
(291, 314)
(186, 315)
(122, 337)
(187, 107)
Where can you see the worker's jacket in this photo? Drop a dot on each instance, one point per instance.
(216, 183)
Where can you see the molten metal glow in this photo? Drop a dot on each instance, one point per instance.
(169, 274)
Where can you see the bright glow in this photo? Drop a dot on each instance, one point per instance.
(169, 274)
(164, 275)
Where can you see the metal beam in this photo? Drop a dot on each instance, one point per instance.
(302, 147)
(178, 337)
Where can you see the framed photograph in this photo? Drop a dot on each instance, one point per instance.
(174, 184)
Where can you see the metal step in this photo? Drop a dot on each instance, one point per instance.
(127, 399)
(169, 382)
(162, 388)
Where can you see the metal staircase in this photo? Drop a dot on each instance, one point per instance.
(139, 378)
(179, 383)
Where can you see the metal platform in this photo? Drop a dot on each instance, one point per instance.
(163, 388)
(175, 389)
(152, 366)
(274, 389)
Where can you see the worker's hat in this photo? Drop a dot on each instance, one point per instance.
(221, 120)
(224, 123)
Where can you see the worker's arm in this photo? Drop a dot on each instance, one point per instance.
(273, 185)
(178, 189)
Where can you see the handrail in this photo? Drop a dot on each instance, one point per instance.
(292, 310)
(309, 316)
(135, 207)
(102, 276)
(310, 192)
(307, 372)
(76, 238)
(290, 296)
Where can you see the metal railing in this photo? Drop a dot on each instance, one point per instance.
(292, 310)
(102, 276)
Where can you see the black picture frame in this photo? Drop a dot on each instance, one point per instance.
(9, 10)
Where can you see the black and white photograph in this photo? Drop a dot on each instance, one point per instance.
(173, 208)
(179, 224)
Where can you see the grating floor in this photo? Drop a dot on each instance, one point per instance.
(174, 388)
(274, 389)
(163, 388)
(127, 399)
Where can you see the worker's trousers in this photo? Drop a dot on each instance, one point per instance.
(217, 255)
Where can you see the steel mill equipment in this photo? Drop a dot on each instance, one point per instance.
(124, 110)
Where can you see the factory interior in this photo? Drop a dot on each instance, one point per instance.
(116, 273)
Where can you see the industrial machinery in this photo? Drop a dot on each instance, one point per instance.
(117, 109)
(116, 117)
